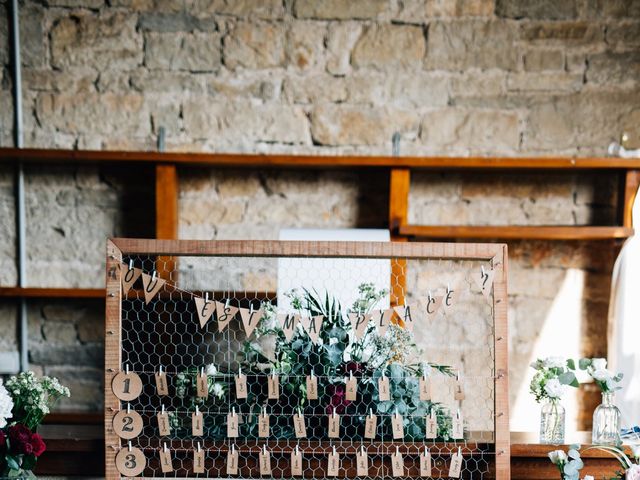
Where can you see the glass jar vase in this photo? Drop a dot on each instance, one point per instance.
(552, 418)
(606, 422)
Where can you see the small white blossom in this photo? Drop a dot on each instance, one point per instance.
(211, 370)
(588, 477)
(558, 457)
(554, 362)
(217, 390)
(635, 451)
(599, 364)
(633, 473)
(6, 405)
(554, 389)
(601, 375)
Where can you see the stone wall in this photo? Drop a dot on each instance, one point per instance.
(454, 77)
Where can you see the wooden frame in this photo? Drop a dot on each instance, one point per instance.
(496, 254)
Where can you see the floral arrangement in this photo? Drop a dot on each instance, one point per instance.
(553, 376)
(337, 354)
(630, 468)
(569, 464)
(597, 369)
(24, 402)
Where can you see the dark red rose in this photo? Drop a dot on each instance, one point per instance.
(20, 438)
(353, 367)
(38, 444)
(3, 441)
(338, 401)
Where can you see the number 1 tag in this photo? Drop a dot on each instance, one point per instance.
(352, 389)
(232, 461)
(126, 386)
(162, 388)
(425, 463)
(273, 386)
(164, 429)
(232, 425)
(383, 389)
(197, 424)
(202, 385)
(166, 463)
(370, 426)
(265, 462)
(299, 426)
(432, 425)
(198, 460)
(425, 388)
(397, 465)
(362, 463)
(263, 425)
(334, 425)
(241, 386)
(333, 467)
(456, 465)
(296, 462)
(397, 426)
(312, 387)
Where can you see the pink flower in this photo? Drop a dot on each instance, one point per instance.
(633, 473)
(338, 402)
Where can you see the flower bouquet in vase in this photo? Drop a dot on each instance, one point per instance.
(606, 416)
(24, 402)
(553, 376)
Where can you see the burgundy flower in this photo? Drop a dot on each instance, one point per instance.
(353, 367)
(20, 439)
(3, 441)
(338, 401)
(38, 444)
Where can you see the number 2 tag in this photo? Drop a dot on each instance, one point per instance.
(130, 462)
(127, 424)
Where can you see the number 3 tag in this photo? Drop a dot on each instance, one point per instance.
(130, 462)
(126, 386)
(127, 424)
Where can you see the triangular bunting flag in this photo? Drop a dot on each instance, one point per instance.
(406, 314)
(129, 277)
(433, 305)
(312, 325)
(151, 286)
(250, 319)
(224, 314)
(382, 319)
(484, 279)
(359, 322)
(205, 309)
(288, 322)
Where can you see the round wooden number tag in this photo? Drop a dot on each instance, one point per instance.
(130, 462)
(127, 425)
(126, 386)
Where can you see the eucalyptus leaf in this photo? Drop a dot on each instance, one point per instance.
(584, 363)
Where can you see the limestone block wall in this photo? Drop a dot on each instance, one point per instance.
(454, 77)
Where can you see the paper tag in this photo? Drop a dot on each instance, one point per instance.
(164, 428)
(126, 386)
(433, 305)
(450, 298)
(457, 427)
(397, 465)
(151, 286)
(458, 391)
(127, 425)
(205, 309)
(130, 462)
(162, 388)
(382, 319)
(288, 322)
(405, 312)
(232, 462)
(359, 323)
(129, 278)
(198, 461)
(224, 315)
(263, 425)
(370, 426)
(232, 425)
(333, 467)
(250, 320)
(202, 385)
(383, 389)
(334, 425)
(432, 426)
(425, 388)
(166, 462)
(352, 389)
(313, 326)
(362, 463)
(299, 426)
(425, 463)
(484, 279)
(197, 424)
(397, 426)
(265, 463)
(296, 462)
(241, 386)
(312, 387)
(273, 387)
(456, 466)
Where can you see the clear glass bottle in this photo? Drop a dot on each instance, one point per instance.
(552, 417)
(606, 422)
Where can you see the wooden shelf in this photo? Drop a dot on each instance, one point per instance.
(35, 292)
(516, 233)
(315, 161)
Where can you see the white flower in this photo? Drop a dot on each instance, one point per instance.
(599, 364)
(558, 457)
(554, 362)
(554, 389)
(217, 390)
(635, 451)
(633, 473)
(588, 477)
(6, 405)
(211, 370)
(601, 375)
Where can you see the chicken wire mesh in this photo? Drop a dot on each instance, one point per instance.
(274, 397)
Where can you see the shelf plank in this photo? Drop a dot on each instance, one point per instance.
(516, 233)
(315, 161)
(35, 292)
